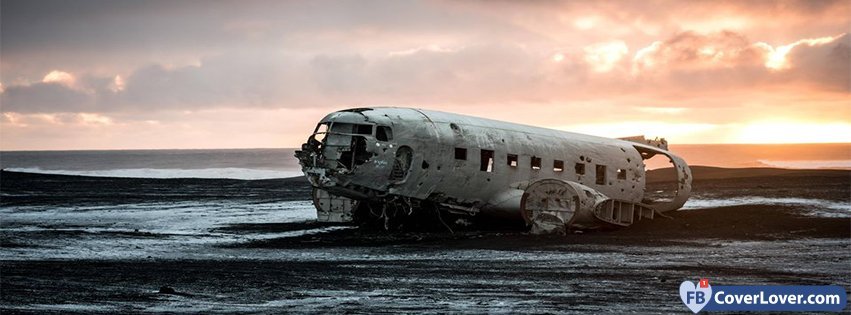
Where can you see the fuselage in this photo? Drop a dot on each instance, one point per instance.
(469, 162)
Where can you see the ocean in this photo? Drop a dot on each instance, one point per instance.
(214, 163)
(280, 163)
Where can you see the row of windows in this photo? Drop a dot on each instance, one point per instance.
(487, 157)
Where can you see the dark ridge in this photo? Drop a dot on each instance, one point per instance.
(701, 173)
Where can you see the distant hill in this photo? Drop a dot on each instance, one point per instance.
(709, 173)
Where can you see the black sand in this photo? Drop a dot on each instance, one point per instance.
(637, 269)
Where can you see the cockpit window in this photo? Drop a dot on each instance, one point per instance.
(358, 129)
(320, 132)
(384, 133)
(341, 128)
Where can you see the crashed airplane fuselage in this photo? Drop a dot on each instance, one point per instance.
(384, 164)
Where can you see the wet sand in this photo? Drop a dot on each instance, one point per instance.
(783, 227)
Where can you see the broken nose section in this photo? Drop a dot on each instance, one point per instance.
(552, 205)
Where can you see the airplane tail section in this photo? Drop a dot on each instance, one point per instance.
(660, 143)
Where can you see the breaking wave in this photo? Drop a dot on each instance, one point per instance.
(827, 207)
(229, 173)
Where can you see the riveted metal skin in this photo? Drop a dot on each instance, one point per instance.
(475, 165)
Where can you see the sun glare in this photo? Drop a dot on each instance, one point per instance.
(602, 57)
(585, 23)
(776, 57)
(117, 84)
(794, 132)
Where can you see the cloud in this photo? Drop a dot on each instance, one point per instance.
(825, 63)
(60, 77)
(198, 129)
(686, 63)
(45, 98)
(271, 79)
(690, 50)
(544, 62)
(602, 57)
(728, 60)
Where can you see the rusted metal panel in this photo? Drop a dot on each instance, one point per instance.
(331, 208)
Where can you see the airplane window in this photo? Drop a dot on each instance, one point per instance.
(342, 127)
(363, 129)
(486, 161)
(580, 168)
(512, 160)
(558, 165)
(621, 173)
(384, 133)
(600, 172)
(460, 153)
(536, 163)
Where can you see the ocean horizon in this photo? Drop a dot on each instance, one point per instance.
(268, 163)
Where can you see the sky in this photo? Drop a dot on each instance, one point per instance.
(122, 74)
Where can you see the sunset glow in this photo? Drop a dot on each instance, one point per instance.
(602, 57)
(776, 57)
(60, 77)
(262, 75)
(794, 132)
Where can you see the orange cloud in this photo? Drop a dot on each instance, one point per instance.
(623, 65)
(775, 57)
(695, 51)
(60, 77)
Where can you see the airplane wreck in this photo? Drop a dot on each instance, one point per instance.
(397, 168)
